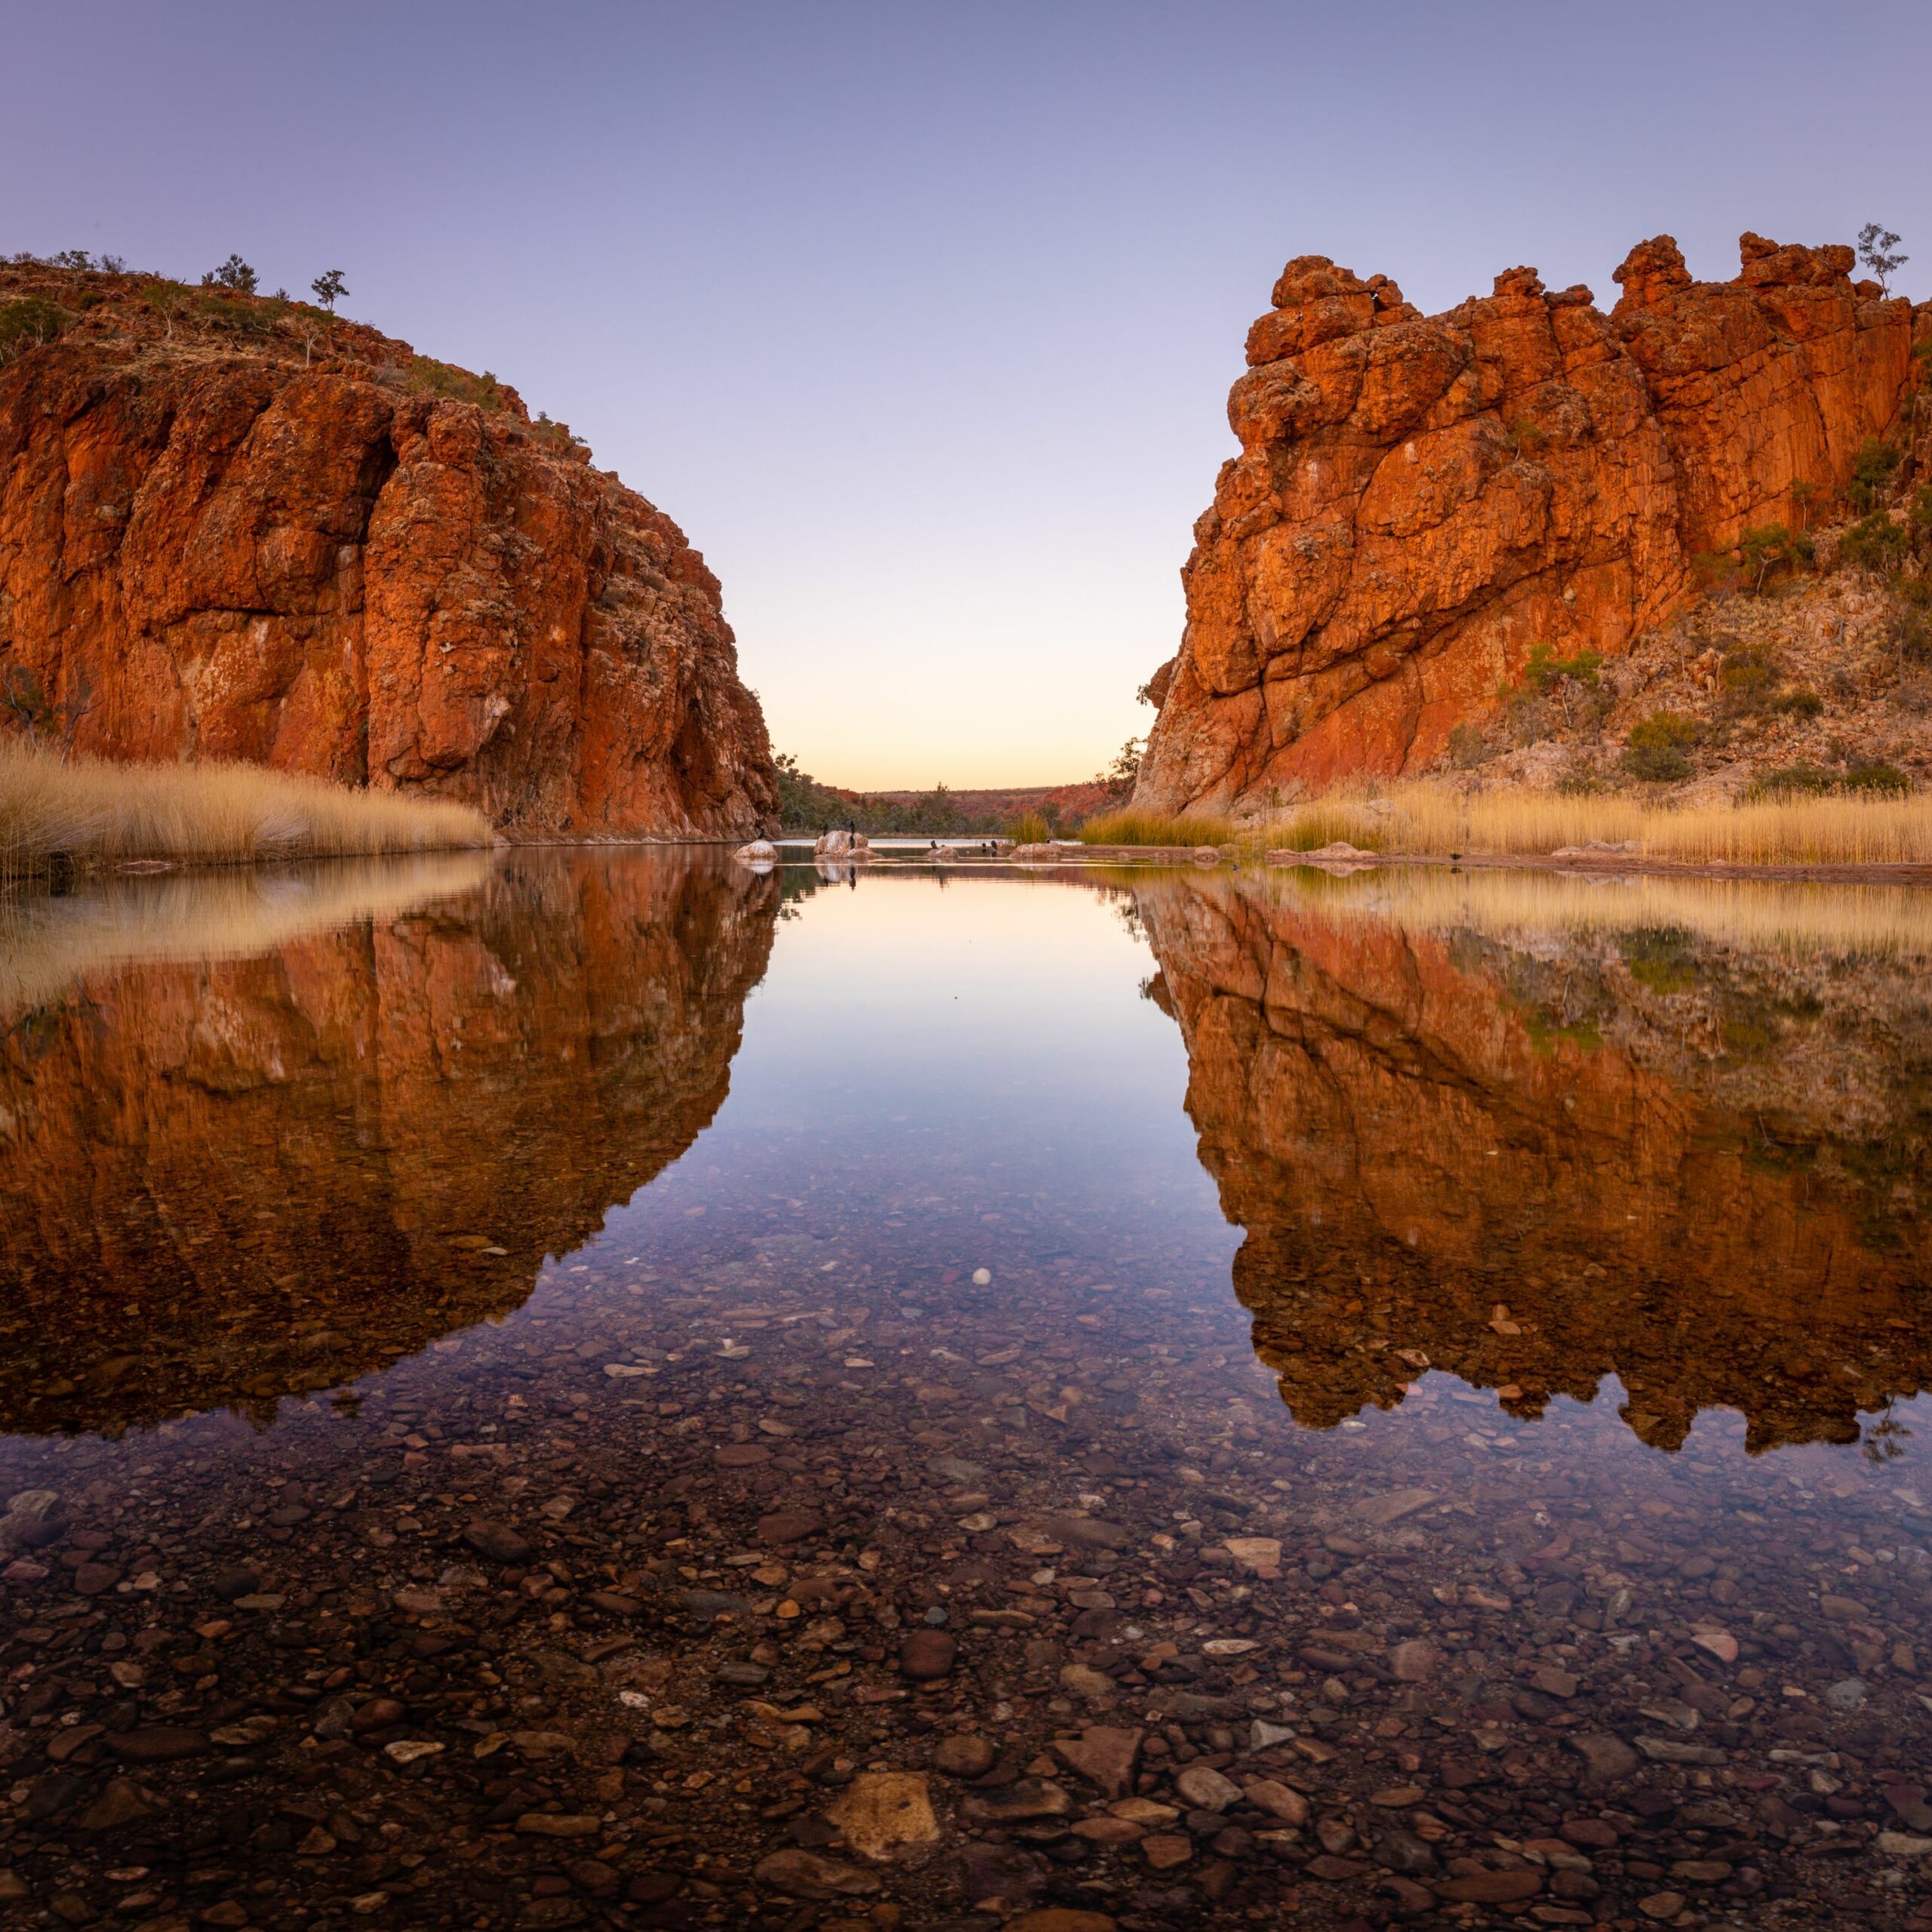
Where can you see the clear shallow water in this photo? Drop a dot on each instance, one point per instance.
(530, 1299)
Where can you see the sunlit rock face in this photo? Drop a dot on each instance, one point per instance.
(1698, 1167)
(226, 1181)
(229, 533)
(1420, 501)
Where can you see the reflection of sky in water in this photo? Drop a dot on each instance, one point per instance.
(949, 1052)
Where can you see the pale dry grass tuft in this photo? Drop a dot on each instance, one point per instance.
(96, 812)
(1433, 818)
(1129, 827)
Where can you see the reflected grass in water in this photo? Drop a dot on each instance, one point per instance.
(1852, 921)
(46, 943)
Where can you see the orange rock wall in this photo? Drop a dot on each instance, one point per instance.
(1420, 501)
(221, 546)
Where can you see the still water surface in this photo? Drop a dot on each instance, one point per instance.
(601, 1388)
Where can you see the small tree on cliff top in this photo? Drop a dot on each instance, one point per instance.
(1876, 242)
(330, 287)
(233, 273)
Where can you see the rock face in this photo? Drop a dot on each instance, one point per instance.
(1605, 1143)
(207, 1164)
(1420, 501)
(235, 528)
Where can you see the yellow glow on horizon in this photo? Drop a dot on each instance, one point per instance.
(928, 725)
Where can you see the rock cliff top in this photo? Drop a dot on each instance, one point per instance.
(235, 527)
(1420, 502)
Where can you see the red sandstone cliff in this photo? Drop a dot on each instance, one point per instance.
(1420, 501)
(232, 528)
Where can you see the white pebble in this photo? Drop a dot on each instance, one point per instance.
(981, 1276)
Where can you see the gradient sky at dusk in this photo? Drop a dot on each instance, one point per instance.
(920, 319)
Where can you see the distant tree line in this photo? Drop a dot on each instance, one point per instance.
(806, 805)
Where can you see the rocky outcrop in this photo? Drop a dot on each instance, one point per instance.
(1420, 501)
(839, 850)
(1534, 1165)
(226, 1181)
(232, 528)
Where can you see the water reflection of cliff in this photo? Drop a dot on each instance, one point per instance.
(231, 1179)
(1536, 1158)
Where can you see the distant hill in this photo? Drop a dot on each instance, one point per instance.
(1073, 802)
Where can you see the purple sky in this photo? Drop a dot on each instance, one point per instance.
(920, 318)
